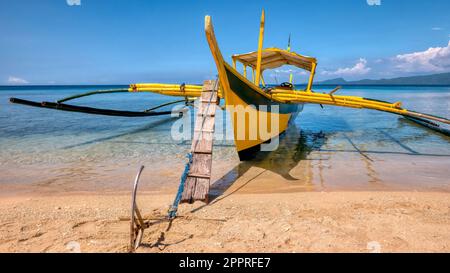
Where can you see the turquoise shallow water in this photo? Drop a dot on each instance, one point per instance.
(74, 151)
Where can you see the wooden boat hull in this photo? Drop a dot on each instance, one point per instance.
(249, 110)
(256, 118)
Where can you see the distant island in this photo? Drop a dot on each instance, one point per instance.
(434, 79)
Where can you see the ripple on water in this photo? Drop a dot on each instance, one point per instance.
(330, 148)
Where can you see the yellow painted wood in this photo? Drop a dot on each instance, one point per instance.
(246, 133)
(311, 77)
(260, 47)
(232, 101)
(289, 50)
(179, 90)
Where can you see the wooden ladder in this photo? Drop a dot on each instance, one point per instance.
(199, 176)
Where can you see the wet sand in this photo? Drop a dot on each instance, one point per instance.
(304, 161)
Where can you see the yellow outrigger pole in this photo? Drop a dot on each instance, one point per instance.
(182, 90)
(291, 76)
(294, 96)
(260, 47)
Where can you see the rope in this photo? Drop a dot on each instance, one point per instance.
(173, 209)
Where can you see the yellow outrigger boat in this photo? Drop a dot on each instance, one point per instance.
(239, 91)
(258, 113)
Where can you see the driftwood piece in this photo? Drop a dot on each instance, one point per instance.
(199, 176)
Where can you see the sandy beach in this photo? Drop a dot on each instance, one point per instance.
(316, 201)
(277, 222)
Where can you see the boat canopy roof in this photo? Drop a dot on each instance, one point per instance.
(275, 57)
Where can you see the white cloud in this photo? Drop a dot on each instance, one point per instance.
(436, 28)
(16, 80)
(282, 74)
(360, 68)
(291, 71)
(379, 61)
(434, 59)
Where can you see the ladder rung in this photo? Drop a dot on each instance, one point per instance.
(203, 152)
(206, 115)
(199, 175)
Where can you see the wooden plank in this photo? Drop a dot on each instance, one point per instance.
(201, 164)
(208, 85)
(203, 143)
(205, 110)
(199, 176)
(202, 189)
(204, 124)
(202, 135)
(208, 96)
(189, 190)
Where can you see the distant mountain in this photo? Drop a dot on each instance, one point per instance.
(341, 81)
(435, 79)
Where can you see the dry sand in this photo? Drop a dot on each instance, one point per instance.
(234, 222)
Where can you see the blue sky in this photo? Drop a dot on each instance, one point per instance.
(126, 41)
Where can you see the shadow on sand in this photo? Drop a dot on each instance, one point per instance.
(294, 146)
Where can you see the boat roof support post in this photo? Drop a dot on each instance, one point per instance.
(262, 79)
(260, 46)
(291, 76)
(311, 77)
(245, 71)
